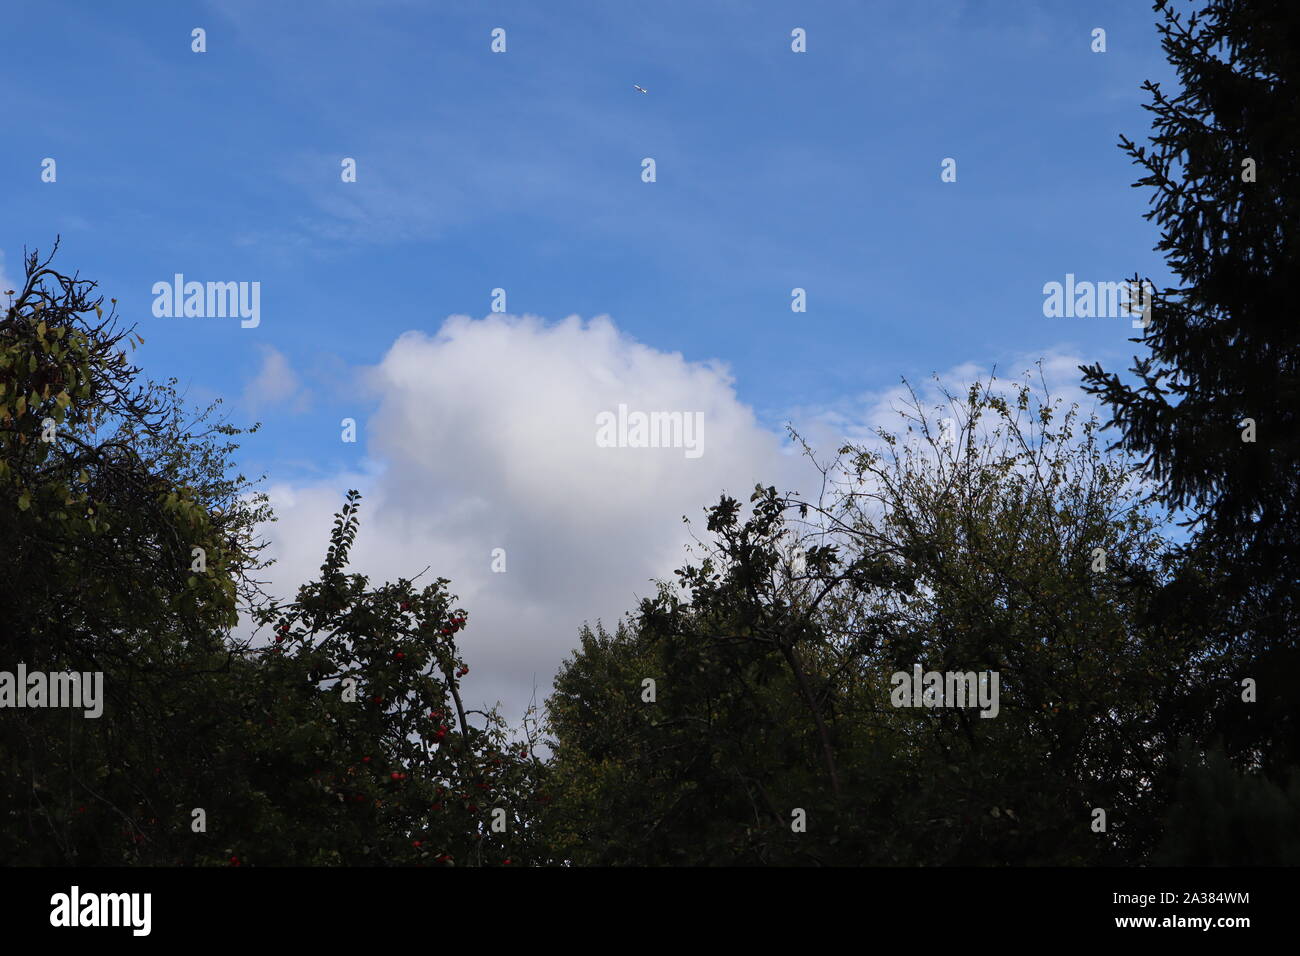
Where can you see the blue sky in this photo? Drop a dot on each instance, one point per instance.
(521, 170)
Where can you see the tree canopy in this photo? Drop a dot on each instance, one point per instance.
(1015, 547)
(128, 546)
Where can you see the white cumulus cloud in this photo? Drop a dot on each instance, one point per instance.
(483, 436)
(486, 435)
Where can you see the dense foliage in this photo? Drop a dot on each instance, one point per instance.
(751, 711)
(1214, 409)
(1018, 548)
(126, 546)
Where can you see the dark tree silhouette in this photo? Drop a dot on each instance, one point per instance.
(1224, 347)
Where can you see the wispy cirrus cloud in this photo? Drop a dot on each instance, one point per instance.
(275, 386)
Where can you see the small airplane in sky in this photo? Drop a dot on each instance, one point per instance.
(635, 87)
